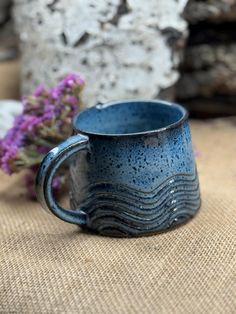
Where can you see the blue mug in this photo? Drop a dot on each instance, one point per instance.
(132, 169)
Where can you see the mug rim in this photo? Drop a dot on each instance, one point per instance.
(99, 105)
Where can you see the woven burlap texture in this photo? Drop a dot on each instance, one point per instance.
(48, 266)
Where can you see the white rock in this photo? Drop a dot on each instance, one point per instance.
(120, 55)
(9, 109)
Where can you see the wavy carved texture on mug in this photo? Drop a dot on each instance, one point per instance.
(116, 209)
(133, 185)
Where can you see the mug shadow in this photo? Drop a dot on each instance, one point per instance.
(74, 242)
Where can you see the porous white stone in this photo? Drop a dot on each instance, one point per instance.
(9, 109)
(123, 49)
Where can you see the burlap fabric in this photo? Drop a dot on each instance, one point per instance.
(48, 266)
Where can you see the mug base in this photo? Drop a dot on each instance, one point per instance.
(114, 233)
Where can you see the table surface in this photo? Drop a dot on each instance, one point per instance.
(49, 266)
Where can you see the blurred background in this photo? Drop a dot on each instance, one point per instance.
(180, 50)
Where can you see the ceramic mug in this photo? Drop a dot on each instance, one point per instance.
(132, 169)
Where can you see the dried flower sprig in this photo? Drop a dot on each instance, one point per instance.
(44, 122)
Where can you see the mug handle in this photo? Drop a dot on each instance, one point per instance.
(46, 172)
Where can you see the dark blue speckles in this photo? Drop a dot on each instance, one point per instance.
(133, 174)
(128, 158)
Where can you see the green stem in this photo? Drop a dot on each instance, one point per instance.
(43, 142)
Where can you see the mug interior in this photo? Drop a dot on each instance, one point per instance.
(130, 117)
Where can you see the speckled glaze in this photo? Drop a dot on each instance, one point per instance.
(134, 174)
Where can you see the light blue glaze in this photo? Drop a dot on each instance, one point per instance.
(136, 173)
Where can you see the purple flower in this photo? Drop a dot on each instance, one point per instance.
(5, 161)
(46, 102)
(39, 91)
(55, 93)
(49, 107)
(72, 100)
(44, 122)
(47, 116)
(43, 149)
(29, 122)
(70, 82)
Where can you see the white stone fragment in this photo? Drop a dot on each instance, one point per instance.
(9, 109)
(120, 46)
